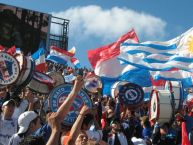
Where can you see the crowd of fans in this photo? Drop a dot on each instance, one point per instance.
(24, 121)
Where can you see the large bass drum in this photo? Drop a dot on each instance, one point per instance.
(129, 93)
(175, 88)
(161, 106)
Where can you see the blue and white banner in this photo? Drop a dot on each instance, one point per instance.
(160, 56)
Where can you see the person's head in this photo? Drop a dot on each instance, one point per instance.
(87, 122)
(28, 121)
(115, 124)
(3, 92)
(111, 104)
(82, 139)
(8, 108)
(32, 140)
(145, 121)
(179, 119)
(27, 92)
(164, 127)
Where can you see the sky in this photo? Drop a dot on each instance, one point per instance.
(94, 23)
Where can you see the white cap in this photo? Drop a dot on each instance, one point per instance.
(7, 102)
(25, 119)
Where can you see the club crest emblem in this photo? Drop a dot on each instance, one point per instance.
(9, 69)
(131, 94)
(60, 93)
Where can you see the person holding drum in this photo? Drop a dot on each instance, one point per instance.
(29, 121)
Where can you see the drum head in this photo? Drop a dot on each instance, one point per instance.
(60, 93)
(131, 94)
(41, 83)
(9, 69)
(153, 109)
(57, 77)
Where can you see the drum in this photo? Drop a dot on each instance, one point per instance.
(57, 77)
(92, 82)
(116, 87)
(161, 106)
(24, 79)
(60, 93)
(25, 71)
(22, 61)
(9, 69)
(176, 88)
(129, 93)
(41, 83)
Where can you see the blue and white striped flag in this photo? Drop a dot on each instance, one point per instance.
(160, 56)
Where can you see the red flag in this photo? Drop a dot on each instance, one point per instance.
(12, 50)
(109, 51)
(185, 140)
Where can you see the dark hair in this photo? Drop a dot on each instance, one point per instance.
(87, 119)
(32, 140)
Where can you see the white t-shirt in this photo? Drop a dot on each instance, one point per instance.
(19, 110)
(7, 129)
(95, 135)
(15, 140)
(138, 141)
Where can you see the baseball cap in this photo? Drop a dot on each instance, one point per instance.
(25, 119)
(11, 101)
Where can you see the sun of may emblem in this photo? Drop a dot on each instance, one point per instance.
(190, 44)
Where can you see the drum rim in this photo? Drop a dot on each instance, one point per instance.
(37, 91)
(181, 95)
(44, 75)
(158, 107)
(113, 96)
(22, 71)
(24, 63)
(17, 64)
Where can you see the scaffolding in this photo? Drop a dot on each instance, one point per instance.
(59, 38)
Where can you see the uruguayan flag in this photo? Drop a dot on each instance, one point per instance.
(159, 56)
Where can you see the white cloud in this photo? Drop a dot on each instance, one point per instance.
(109, 24)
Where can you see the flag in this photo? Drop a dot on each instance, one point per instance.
(158, 84)
(11, 50)
(140, 77)
(58, 55)
(102, 59)
(185, 140)
(160, 56)
(106, 65)
(176, 75)
(76, 62)
(39, 58)
(72, 50)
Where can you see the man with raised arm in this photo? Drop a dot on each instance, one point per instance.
(30, 124)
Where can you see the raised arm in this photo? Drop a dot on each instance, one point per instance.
(76, 128)
(65, 107)
(56, 128)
